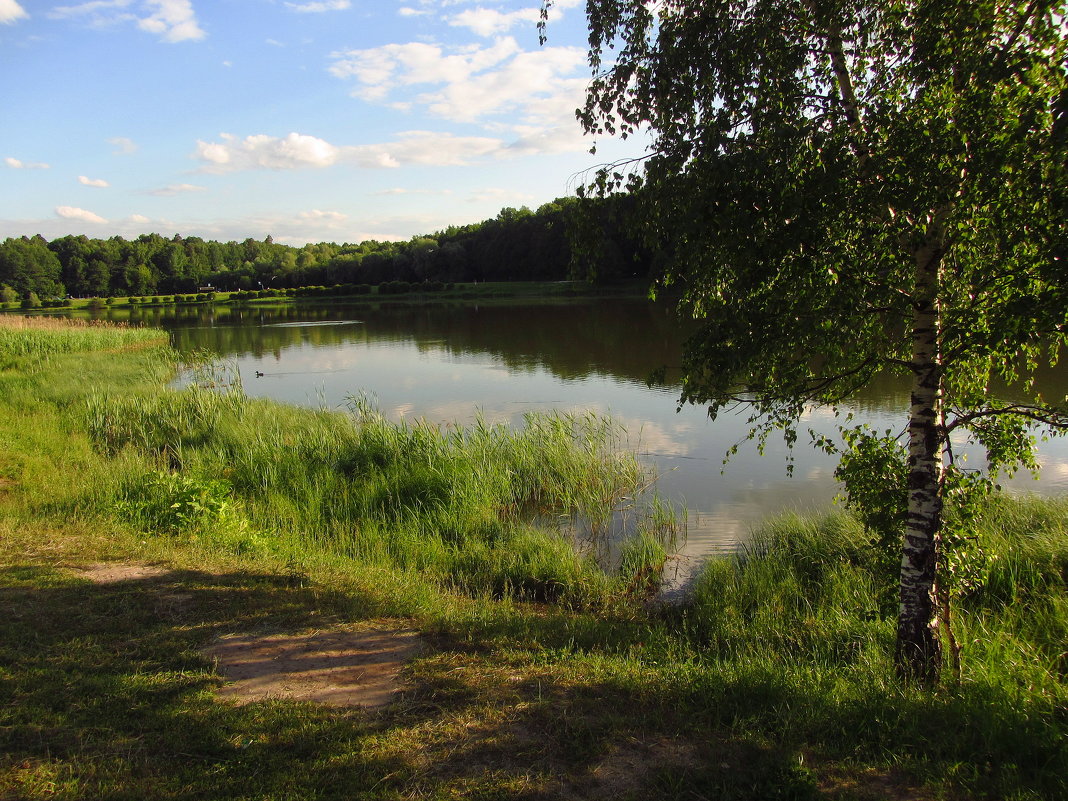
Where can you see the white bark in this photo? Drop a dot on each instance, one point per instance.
(918, 652)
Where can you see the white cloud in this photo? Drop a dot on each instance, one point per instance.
(266, 152)
(471, 83)
(489, 22)
(532, 140)
(425, 148)
(72, 213)
(176, 189)
(139, 218)
(97, 182)
(315, 215)
(558, 6)
(318, 8)
(97, 11)
(171, 20)
(123, 145)
(407, 11)
(10, 12)
(298, 151)
(386, 68)
(530, 83)
(18, 164)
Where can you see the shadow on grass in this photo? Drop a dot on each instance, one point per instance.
(862, 734)
(105, 694)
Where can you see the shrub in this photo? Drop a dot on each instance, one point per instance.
(394, 288)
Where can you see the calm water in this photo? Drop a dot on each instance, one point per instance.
(449, 363)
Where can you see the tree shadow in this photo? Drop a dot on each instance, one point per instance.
(106, 693)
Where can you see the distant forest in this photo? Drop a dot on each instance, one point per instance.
(516, 245)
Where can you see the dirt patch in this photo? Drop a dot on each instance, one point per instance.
(871, 785)
(615, 774)
(338, 666)
(114, 572)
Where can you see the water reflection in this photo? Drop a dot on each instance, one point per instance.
(452, 363)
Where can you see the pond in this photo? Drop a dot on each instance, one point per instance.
(450, 363)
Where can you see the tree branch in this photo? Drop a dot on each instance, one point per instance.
(1040, 414)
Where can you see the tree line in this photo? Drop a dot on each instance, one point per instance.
(516, 245)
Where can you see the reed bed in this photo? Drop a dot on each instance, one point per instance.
(37, 338)
(483, 508)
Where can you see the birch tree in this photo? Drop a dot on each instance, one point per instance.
(844, 187)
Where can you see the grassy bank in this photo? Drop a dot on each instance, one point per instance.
(547, 676)
(480, 291)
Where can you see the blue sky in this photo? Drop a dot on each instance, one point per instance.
(340, 120)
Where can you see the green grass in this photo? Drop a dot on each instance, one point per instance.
(27, 341)
(775, 681)
(483, 508)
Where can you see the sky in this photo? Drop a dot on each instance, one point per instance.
(338, 120)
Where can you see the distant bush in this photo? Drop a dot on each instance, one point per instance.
(394, 288)
(31, 301)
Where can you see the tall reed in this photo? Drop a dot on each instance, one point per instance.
(23, 338)
(486, 508)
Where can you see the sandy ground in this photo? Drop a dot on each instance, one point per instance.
(114, 572)
(340, 665)
(335, 666)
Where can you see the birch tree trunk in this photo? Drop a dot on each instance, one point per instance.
(918, 650)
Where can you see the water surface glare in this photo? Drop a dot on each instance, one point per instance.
(451, 363)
